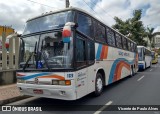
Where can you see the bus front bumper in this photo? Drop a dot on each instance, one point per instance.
(48, 91)
(140, 66)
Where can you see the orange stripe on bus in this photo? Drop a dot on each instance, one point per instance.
(102, 52)
(119, 70)
(106, 52)
(115, 75)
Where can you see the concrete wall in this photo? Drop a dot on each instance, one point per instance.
(7, 77)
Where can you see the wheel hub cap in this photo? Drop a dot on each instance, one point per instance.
(99, 84)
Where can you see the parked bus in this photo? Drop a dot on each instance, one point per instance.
(68, 54)
(144, 57)
(154, 57)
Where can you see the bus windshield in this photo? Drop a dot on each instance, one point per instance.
(153, 55)
(49, 22)
(140, 54)
(50, 50)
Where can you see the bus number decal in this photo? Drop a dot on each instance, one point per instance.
(69, 75)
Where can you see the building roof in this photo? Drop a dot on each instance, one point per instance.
(157, 29)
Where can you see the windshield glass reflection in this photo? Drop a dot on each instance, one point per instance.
(140, 54)
(49, 22)
(27, 49)
(50, 51)
(58, 54)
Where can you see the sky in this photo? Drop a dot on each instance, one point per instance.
(16, 12)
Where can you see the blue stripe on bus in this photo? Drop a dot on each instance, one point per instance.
(111, 75)
(99, 52)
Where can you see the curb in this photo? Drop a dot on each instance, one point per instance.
(6, 101)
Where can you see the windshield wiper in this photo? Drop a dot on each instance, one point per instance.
(30, 57)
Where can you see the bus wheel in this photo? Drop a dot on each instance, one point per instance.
(98, 84)
(144, 67)
(132, 71)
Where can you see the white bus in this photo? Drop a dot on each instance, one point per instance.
(69, 53)
(144, 58)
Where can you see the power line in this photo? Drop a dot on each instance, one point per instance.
(105, 11)
(102, 9)
(42, 4)
(92, 9)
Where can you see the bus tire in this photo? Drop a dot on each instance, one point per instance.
(132, 71)
(144, 67)
(98, 84)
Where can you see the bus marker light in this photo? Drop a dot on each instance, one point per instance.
(68, 82)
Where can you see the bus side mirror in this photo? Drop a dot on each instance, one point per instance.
(76, 25)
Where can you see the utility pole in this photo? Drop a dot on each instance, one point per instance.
(67, 3)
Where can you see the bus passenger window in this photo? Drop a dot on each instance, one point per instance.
(100, 32)
(124, 41)
(84, 25)
(80, 52)
(118, 41)
(91, 52)
(110, 37)
(129, 45)
(132, 47)
(135, 48)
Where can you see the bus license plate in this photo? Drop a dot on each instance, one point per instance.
(38, 91)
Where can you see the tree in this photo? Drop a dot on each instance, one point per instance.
(150, 36)
(133, 28)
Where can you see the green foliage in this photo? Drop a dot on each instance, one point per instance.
(133, 28)
(150, 36)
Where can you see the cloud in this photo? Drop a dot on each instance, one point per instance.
(18, 13)
(152, 17)
(124, 10)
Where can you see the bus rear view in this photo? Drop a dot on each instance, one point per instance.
(154, 57)
(144, 57)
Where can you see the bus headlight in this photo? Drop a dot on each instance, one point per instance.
(61, 82)
(20, 81)
(55, 82)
